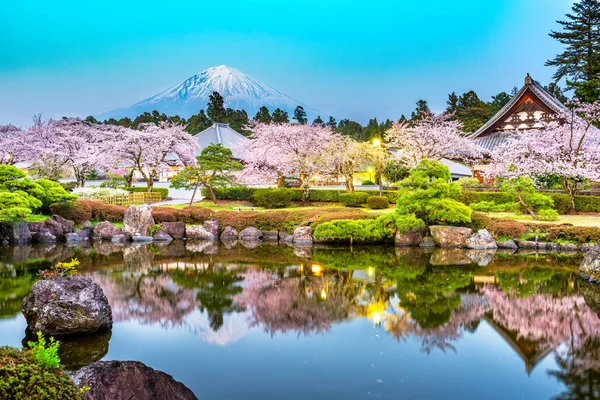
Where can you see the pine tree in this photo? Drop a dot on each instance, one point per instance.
(300, 115)
(555, 90)
(280, 116)
(318, 121)
(498, 101)
(421, 110)
(263, 116)
(452, 103)
(579, 63)
(216, 108)
(351, 129)
(237, 120)
(197, 123)
(332, 123)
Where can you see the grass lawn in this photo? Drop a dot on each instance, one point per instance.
(576, 220)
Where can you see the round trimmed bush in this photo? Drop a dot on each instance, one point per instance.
(272, 198)
(21, 377)
(368, 183)
(548, 214)
(354, 199)
(378, 202)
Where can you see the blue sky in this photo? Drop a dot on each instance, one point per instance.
(352, 59)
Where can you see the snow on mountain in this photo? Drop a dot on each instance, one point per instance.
(240, 91)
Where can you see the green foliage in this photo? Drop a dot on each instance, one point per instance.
(490, 206)
(44, 353)
(548, 214)
(23, 378)
(395, 170)
(272, 198)
(354, 199)
(52, 192)
(14, 206)
(68, 186)
(10, 173)
(114, 181)
(400, 222)
(367, 182)
(378, 202)
(358, 231)
(469, 182)
(153, 229)
(427, 194)
(164, 192)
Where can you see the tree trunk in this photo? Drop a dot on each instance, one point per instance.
(306, 193)
(525, 206)
(213, 197)
(281, 182)
(79, 177)
(128, 179)
(349, 182)
(194, 194)
(571, 192)
(149, 183)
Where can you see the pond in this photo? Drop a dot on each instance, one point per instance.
(274, 322)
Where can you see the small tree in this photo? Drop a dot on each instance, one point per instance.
(394, 170)
(214, 167)
(523, 189)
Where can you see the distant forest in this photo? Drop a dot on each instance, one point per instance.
(467, 108)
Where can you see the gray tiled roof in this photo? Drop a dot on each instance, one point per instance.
(222, 134)
(493, 140)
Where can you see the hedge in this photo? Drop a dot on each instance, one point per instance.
(140, 189)
(317, 195)
(378, 202)
(561, 201)
(355, 199)
(272, 198)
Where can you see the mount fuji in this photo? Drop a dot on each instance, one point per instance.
(240, 92)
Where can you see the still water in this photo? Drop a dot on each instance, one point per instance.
(274, 322)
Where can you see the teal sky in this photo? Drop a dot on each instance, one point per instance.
(352, 59)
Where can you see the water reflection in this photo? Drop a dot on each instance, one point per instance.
(535, 303)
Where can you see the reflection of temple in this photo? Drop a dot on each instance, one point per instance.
(532, 353)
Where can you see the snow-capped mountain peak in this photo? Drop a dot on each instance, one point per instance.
(239, 91)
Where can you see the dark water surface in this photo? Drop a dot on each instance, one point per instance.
(274, 322)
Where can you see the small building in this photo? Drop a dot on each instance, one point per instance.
(530, 108)
(218, 133)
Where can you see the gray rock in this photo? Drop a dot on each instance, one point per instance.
(162, 236)
(553, 246)
(138, 219)
(250, 243)
(481, 257)
(174, 229)
(251, 233)
(303, 235)
(212, 226)
(65, 306)
(586, 247)
(271, 236)
(303, 250)
(427, 241)
(412, 237)
(85, 232)
(449, 256)
(125, 380)
(197, 232)
(591, 262)
(15, 232)
(105, 231)
(45, 236)
(481, 240)
(73, 237)
(141, 238)
(568, 247)
(450, 236)
(507, 244)
(120, 237)
(526, 244)
(59, 226)
(197, 246)
(35, 226)
(542, 246)
(229, 233)
(229, 243)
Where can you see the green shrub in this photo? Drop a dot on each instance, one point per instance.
(394, 170)
(358, 231)
(321, 195)
(153, 229)
(581, 234)
(587, 203)
(483, 206)
(45, 354)
(378, 202)
(241, 193)
(22, 377)
(272, 198)
(53, 192)
(498, 227)
(367, 182)
(469, 182)
(548, 214)
(85, 210)
(354, 199)
(15, 205)
(10, 173)
(400, 222)
(68, 186)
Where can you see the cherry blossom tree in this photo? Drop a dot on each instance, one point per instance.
(279, 150)
(433, 137)
(567, 149)
(12, 144)
(342, 155)
(154, 148)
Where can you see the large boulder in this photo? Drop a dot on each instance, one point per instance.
(481, 240)
(229, 233)
(449, 256)
(174, 229)
(527, 244)
(427, 242)
(303, 235)
(138, 219)
(591, 262)
(507, 244)
(412, 237)
(162, 236)
(105, 231)
(59, 226)
(212, 225)
(66, 306)
(197, 232)
(125, 380)
(15, 232)
(450, 236)
(251, 233)
(45, 236)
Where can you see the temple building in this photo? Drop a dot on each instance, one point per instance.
(530, 108)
